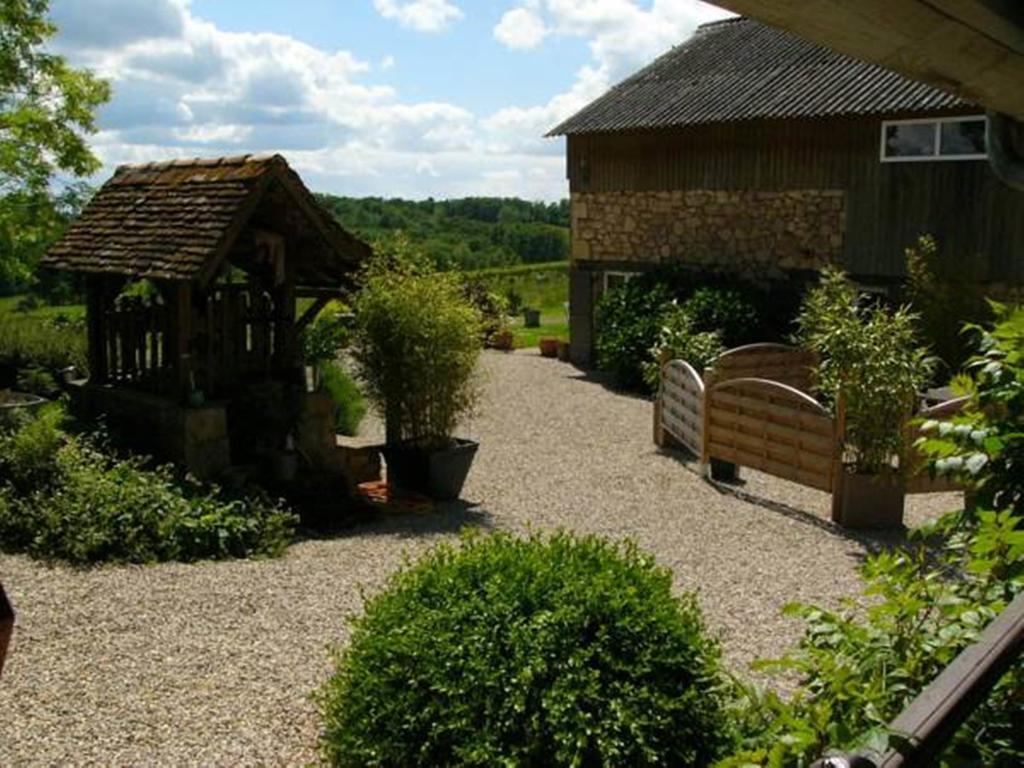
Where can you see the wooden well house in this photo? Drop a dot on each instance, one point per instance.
(194, 272)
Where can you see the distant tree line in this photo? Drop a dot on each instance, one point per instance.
(470, 233)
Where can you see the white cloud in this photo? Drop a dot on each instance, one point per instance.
(184, 87)
(521, 28)
(421, 15)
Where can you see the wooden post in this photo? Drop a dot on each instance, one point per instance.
(95, 309)
(838, 470)
(180, 330)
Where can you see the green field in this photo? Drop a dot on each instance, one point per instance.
(9, 309)
(541, 286)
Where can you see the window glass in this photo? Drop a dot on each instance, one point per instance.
(910, 140)
(963, 137)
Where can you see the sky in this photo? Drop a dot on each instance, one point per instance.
(392, 98)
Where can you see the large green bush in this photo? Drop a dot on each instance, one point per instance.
(541, 651)
(65, 499)
(49, 344)
(416, 347)
(628, 324)
(678, 339)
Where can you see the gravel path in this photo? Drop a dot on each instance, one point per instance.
(212, 664)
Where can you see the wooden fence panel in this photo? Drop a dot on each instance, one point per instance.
(785, 364)
(917, 478)
(682, 398)
(771, 427)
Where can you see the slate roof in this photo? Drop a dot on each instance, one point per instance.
(172, 220)
(741, 69)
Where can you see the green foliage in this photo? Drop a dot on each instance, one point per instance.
(472, 233)
(348, 400)
(65, 499)
(870, 355)
(725, 311)
(324, 338)
(984, 447)
(629, 320)
(944, 293)
(558, 650)
(50, 344)
(492, 307)
(544, 286)
(679, 339)
(46, 109)
(861, 665)
(416, 346)
(37, 381)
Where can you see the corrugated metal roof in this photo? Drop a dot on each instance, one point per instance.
(741, 69)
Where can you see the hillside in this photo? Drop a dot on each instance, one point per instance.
(471, 233)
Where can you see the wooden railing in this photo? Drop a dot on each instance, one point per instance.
(927, 725)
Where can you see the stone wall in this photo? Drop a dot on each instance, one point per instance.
(746, 231)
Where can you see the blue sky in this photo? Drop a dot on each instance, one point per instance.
(404, 98)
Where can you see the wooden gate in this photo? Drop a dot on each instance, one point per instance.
(680, 404)
(918, 480)
(775, 362)
(771, 427)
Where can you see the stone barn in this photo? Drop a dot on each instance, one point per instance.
(749, 150)
(194, 272)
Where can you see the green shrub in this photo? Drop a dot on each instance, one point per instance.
(678, 339)
(871, 356)
(323, 339)
(349, 403)
(557, 650)
(945, 295)
(50, 345)
(725, 311)
(416, 346)
(628, 324)
(984, 447)
(861, 666)
(64, 499)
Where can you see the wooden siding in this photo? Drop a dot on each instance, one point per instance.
(889, 205)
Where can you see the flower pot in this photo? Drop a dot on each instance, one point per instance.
(549, 347)
(439, 474)
(868, 501)
(564, 353)
(6, 626)
(531, 318)
(503, 340)
(724, 471)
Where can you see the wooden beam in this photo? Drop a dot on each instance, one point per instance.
(310, 314)
(973, 48)
(315, 292)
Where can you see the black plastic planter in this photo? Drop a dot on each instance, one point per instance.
(437, 474)
(6, 626)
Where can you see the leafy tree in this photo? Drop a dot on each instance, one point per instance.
(46, 110)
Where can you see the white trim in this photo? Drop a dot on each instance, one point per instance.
(627, 276)
(936, 156)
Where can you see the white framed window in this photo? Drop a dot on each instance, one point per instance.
(615, 279)
(946, 138)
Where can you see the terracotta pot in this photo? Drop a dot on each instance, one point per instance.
(868, 501)
(549, 347)
(6, 626)
(503, 340)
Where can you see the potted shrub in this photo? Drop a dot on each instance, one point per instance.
(871, 371)
(6, 626)
(416, 346)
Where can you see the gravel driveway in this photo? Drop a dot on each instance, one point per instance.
(212, 664)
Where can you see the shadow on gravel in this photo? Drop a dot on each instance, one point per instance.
(452, 517)
(603, 381)
(873, 541)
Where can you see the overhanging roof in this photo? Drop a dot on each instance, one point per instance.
(974, 48)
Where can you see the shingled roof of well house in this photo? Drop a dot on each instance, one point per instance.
(170, 220)
(741, 69)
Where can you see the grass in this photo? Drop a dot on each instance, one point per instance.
(541, 286)
(550, 326)
(9, 309)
